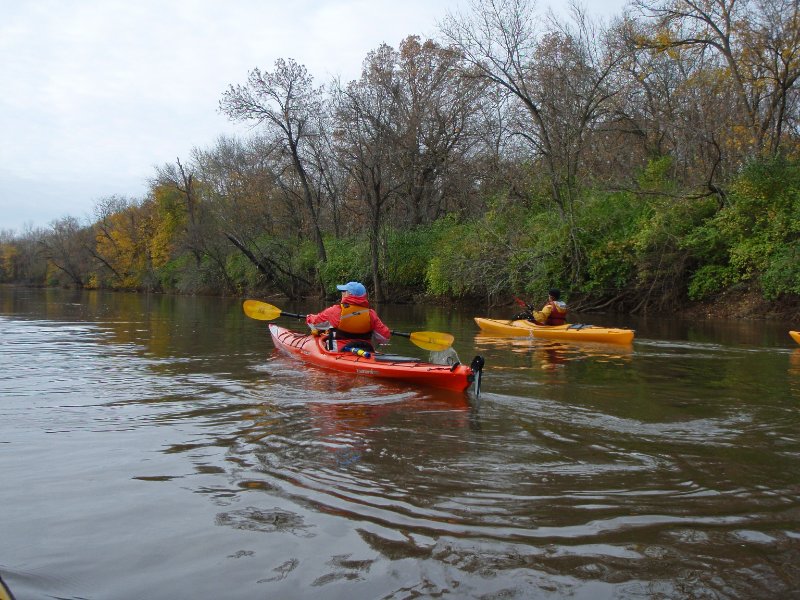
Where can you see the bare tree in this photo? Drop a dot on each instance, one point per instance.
(757, 42)
(287, 104)
(182, 179)
(123, 235)
(331, 175)
(367, 114)
(558, 81)
(437, 111)
(249, 209)
(673, 103)
(22, 256)
(67, 245)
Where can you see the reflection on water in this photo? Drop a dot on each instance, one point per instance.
(552, 354)
(794, 372)
(164, 450)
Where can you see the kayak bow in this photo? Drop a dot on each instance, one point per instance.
(569, 332)
(310, 349)
(795, 336)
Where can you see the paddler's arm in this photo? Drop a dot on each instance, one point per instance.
(541, 315)
(380, 332)
(326, 319)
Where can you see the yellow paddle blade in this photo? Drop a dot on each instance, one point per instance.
(260, 310)
(431, 340)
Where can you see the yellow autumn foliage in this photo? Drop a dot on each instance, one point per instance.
(169, 219)
(8, 261)
(123, 240)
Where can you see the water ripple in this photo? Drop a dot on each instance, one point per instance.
(666, 470)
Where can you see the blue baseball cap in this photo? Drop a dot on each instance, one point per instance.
(353, 288)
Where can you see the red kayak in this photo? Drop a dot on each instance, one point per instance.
(311, 349)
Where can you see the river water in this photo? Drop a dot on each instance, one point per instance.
(157, 447)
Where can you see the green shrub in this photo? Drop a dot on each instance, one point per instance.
(242, 272)
(782, 275)
(608, 225)
(709, 280)
(453, 265)
(755, 236)
(169, 274)
(348, 260)
(409, 252)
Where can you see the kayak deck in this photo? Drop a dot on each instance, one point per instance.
(310, 349)
(569, 332)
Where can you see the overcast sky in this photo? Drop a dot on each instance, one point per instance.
(96, 93)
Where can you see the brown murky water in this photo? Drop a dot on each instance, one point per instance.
(156, 447)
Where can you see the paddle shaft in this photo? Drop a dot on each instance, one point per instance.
(298, 316)
(428, 340)
(295, 315)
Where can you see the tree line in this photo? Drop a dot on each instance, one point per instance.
(635, 163)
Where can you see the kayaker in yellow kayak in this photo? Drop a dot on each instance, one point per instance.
(550, 323)
(554, 312)
(351, 323)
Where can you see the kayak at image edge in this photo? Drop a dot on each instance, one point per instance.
(311, 349)
(795, 336)
(5, 593)
(572, 331)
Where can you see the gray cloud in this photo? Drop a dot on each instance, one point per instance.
(98, 92)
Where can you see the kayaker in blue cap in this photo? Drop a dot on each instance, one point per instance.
(351, 322)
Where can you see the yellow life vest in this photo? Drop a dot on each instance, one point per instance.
(355, 320)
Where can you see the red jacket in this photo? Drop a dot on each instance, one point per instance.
(330, 318)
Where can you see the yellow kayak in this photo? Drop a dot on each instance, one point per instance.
(795, 336)
(571, 332)
(5, 593)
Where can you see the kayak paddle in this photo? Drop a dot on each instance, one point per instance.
(261, 311)
(427, 340)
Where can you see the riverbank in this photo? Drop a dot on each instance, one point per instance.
(745, 305)
(733, 304)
